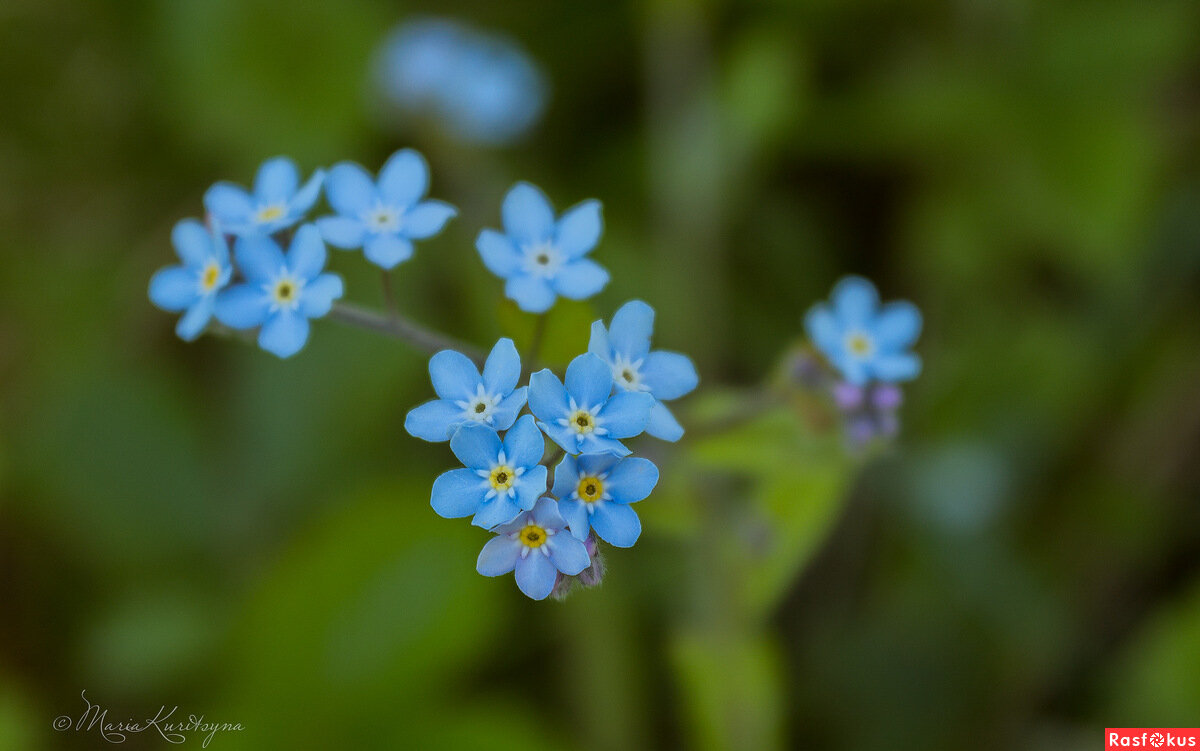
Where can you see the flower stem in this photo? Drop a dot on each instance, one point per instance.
(535, 343)
(402, 328)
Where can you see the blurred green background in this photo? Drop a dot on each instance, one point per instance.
(205, 526)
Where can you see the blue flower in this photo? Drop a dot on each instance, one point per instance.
(539, 257)
(625, 346)
(384, 217)
(501, 479)
(276, 204)
(594, 492)
(466, 397)
(863, 340)
(280, 294)
(535, 546)
(192, 286)
(480, 87)
(585, 417)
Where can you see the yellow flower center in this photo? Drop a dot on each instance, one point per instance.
(285, 292)
(590, 489)
(212, 273)
(582, 421)
(533, 536)
(270, 213)
(502, 477)
(859, 344)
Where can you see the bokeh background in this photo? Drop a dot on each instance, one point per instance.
(250, 539)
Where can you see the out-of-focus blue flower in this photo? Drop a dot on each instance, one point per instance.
(535, 547)
(193, 285)
(384, 217)
(501, 479)
(490, 399)
(863, 340)
(586, 417)
(541, 258)
(278, 200)
(625, 346)
(594, 492)
(280, 293)
(481, 87)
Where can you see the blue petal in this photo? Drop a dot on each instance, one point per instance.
(568, 554)
(242, 306)
(581, 279)
(192, 241)
(531, 486)
(531, 293)
(475, 445)
(457, 493)
(387, 251)
(562, 435)
(496, 511)
(193, 322)
(669, 375)
(626, 414)
(598, 343)
(505, 413)
(454, 376)
(823, 328)
(589, 380)
(547, 397)
(319, 294)
(503, 368)
(898, 325)
(545, 514)
(527, 214)
(579, 229)
(174, 288)
(536, 575)
(284, 334)
(259, 258)
(566, 479)
(307, 255)
(515, 525)
(631, 480)
(276, 180)
(427, 219)
(853, 369)
(342, 231)
(404, 179)
(498, 253)
(499, 556)
(229, 203)
(523, 444)
(434, 420)
(854, 300)
(594, 444)
(902, 367)
(630, 330)
(577, 518)
(349, 189)
(663, 425)
(617, 524)
(597, 464)
(307, 195)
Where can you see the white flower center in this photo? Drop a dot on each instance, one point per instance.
(382, 219)
(284, 291)
(542, 260)
(501, 479)
(628, 373)
(582, 421)
(481, 407)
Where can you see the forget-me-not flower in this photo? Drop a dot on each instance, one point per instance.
(278, 200)
(625, 346)
(537, 547)
(501, 478)
(490, 399)
(541, 258)
(586, 417)
(863, 340)
(383, 217)
(193, 285)
(280, 293)
(594, 492)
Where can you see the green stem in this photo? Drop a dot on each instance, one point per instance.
(402, 328)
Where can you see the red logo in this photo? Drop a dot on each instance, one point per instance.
(1166, 738)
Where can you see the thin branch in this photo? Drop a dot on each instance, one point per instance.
(402, 328)
(535, 343)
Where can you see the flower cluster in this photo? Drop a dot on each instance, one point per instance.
(547, 527)
(866, 346)
(276, 292)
